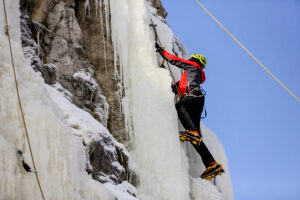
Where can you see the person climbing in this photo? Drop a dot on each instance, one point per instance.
(190, 106)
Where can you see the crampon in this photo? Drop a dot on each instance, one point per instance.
(212, 171)
(190, 136)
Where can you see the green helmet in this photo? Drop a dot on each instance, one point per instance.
(201, 59)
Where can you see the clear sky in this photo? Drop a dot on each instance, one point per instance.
(256, 119)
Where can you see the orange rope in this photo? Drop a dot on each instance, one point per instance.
(19, 99)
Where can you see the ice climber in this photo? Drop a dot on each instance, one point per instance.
(190, 106)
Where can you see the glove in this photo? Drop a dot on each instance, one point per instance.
(174, 89)
(158, 48)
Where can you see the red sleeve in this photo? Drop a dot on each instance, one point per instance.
(179, 62)
(171, 57)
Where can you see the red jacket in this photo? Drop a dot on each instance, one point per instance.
(193, 74)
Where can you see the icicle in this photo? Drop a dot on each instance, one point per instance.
(87, 6)
(107, 11)
(39, 28)
(96, 6)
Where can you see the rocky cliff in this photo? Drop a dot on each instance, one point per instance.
(70, 44)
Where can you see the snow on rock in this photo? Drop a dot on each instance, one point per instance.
(85, 77)
(82, 123)
(123, 190)
(31, 50)
(104, 151)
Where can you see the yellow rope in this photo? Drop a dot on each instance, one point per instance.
(19, 99)
(249, 52)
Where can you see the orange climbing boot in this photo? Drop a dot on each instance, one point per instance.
(213, 170)
(190, 136)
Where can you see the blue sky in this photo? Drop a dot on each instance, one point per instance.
(257, 120)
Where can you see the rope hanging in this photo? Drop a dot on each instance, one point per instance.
(7, 27)
(263, 66)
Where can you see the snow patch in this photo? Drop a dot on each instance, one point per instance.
(202, 189)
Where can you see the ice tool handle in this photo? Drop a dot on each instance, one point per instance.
(158, 40)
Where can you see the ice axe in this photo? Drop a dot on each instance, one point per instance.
(163, 62)
(162, 65)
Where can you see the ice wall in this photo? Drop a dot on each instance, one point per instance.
(200, 189)
(59, 156)
(161, 162)
(222, 183)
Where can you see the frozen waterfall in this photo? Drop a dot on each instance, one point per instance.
(166, 168)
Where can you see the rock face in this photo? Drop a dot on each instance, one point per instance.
(108, 166)
(54, 35)
(63, 48)
(30, 45)
(95, 24)
(160, 9)
(55, 44)
(70, 43)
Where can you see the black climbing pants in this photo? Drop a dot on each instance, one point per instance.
(189, 109)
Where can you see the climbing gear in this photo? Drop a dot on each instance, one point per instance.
(157, 46)
(205, 113)
(6, 29)
(155, 32)
(195, 91)
(202, 59)
(198, 92)
(19, 99)
(190, 136)
(26, 167)
(158, 40)
(262, 65)
(213, 170)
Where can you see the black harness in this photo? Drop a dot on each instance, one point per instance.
(197, 92)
